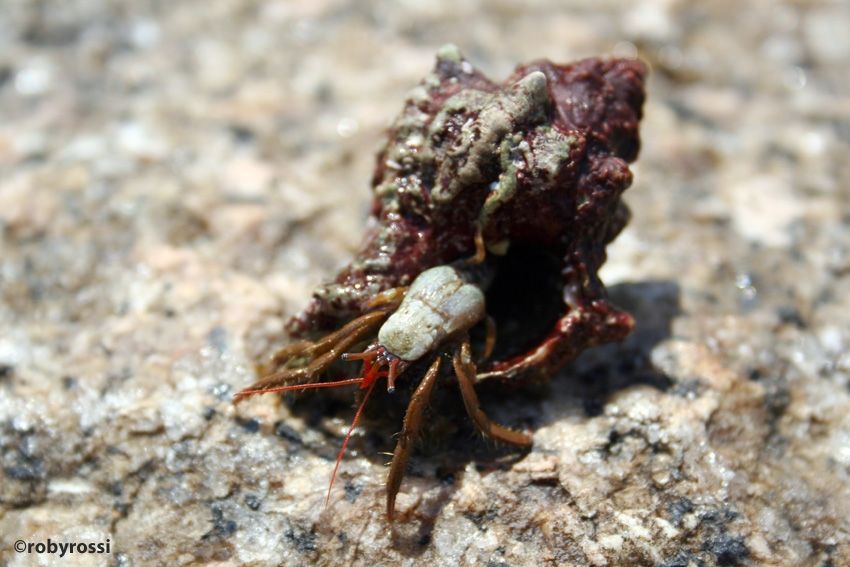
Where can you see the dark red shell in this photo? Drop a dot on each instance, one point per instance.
(447, 152)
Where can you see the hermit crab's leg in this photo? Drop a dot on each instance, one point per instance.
(490, 337)
(480, 248)
(465, 371)
(331, 347)
(573, 333)
(289, 351)
(409, 431)
(389, 299)
(307, 349)
(326, 343)
(350, 334)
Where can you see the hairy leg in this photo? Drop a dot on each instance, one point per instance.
(409, 431)
(590, 319)
(480, 248)
(328, 349)
(490, 338)
(389, 299)
(313, 349)
(465, 371)
(292, 350)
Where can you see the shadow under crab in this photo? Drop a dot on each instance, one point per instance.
(493, 206)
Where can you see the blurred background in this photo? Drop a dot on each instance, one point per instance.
(176, 177)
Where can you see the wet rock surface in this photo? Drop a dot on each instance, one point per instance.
(175, 180)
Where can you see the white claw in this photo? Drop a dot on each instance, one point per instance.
(439, 303)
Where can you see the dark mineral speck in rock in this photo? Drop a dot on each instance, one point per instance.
(27, 471)
(679, 508)
(284, 431)
(217, 338)
(242, 134)
(790, 315)
(251, 425)
(6, 371)
(221, 391)
(729, 550)
(303, 540)
(682, 559)
(253, 501)
(352, 491)
(222, 526)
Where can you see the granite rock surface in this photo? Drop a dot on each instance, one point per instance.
(175, 178)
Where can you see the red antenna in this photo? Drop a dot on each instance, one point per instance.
(345, 441)
(371, 373)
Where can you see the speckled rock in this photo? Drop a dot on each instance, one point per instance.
(176, 179)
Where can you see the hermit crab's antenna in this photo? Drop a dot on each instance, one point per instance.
(295, 388)
(347, 438)
(371, 374)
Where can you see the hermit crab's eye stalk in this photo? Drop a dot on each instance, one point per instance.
(374, 358)
(391, 376)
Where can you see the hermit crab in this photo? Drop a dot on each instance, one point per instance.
(493, 204)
